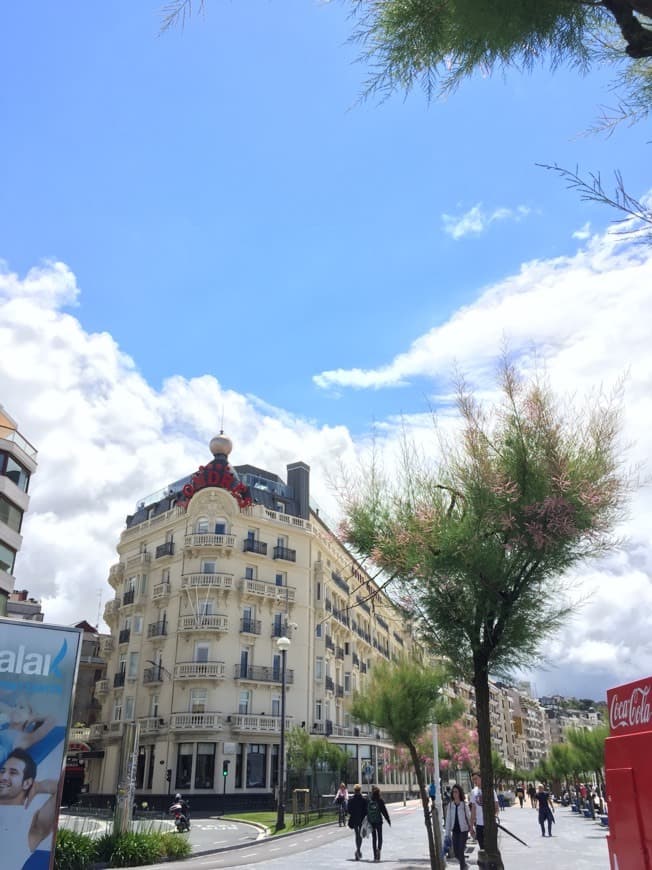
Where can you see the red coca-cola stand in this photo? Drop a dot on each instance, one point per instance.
(628, 767)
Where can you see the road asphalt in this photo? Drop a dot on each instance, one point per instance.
(576, 844)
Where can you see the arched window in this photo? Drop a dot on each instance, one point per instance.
(220, 526)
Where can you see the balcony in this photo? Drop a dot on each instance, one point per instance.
(101, 687)
(342, 617)
(269, 591)
(161, 591)
(331, 729)
(157, 629)
(329, 643)
(340, 582)
(142, 560)
(97, 731)
(153, 675)
(251, 545)
(329, 684)
(163, 550)
(284, 553)
(262, 674)
(209, 622)
(115, 730)
(79, 735)
(116, 575)
(106, 646)
(258, 724)
(151, 724)
(280, 629)
(339, 653)
(204, 541)
(339, 691)
(128, 597)
(207, 581)
(119, 679)
(199, 671)
(111, 609)
(250, 626)
(124, 635)
(355, 660)
(196, 722)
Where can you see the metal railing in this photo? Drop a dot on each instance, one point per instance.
(251, 545)
(284, 553)
(250, 626)
(166, 549)
(258, 674)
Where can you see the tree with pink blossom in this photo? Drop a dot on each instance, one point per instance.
(479, 539)
(458, 745)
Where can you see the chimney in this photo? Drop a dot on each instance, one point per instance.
(299, 479)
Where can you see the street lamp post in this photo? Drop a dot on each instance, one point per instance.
(283, 644)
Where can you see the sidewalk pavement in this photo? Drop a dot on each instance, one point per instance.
(576, 844)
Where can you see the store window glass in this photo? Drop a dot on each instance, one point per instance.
(184, 766)
(205, 766)
(257, 765)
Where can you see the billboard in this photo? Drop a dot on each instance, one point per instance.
(38, 669)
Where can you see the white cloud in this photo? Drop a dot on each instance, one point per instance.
(477, 220)
(106, 437)
(583, 318)
(584, 232)
(581, 311)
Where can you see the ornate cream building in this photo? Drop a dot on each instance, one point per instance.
(211, 572)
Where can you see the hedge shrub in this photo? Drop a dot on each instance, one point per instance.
(132, 849)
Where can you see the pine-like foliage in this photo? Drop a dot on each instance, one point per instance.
(439, 42)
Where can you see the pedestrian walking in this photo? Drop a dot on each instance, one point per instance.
(458, 823)
(532, 794)
(546, 811)
(477, 812)
(376, 809)
(520, 793)
(357, 815)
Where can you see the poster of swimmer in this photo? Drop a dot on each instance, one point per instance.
(38, 670)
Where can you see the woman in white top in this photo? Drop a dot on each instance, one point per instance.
(458, 822)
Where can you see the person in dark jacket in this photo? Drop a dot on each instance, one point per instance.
(357, 814)
(546, 813)
(376, 809)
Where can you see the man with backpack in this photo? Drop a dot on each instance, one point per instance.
(376, 809)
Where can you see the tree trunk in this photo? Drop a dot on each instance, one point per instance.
(489, 857)
(433, 828)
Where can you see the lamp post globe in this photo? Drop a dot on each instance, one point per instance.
(283, 645)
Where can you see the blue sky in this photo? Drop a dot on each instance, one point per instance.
(215, 187)
(238, 231)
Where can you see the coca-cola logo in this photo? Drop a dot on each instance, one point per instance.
(631, 712)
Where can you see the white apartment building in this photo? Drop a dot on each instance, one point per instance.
(520, 731)
(211, 572)
(17, 465)
(561, 717)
